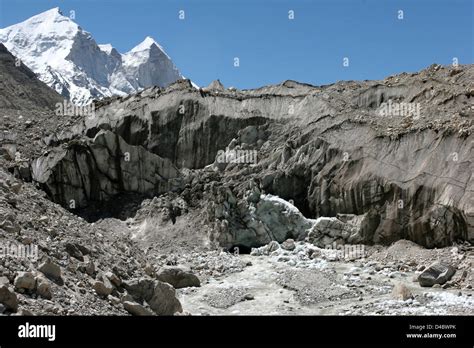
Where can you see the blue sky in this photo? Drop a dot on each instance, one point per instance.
(271, 47)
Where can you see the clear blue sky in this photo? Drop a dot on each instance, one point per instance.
(272, 48)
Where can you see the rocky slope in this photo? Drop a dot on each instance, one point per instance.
(52, 262)
(67, 59)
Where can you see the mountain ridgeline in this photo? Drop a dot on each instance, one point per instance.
(67, 59)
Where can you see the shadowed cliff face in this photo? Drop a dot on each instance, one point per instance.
(98, 169)
(397, 151)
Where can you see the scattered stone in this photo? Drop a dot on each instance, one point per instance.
(103, 288)
(4, 281)
(50, 270)
(90, 268)
(10, 226)
(160, 296)
(16, 187)
(25, 280)
(401, 292)
(73, 250)
(43, 288)
(114, 300)
(8, 298)
(288, 244)
(249, 297)
(113, 278)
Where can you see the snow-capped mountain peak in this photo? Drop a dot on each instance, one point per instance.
(146, 44)
(68, 59)
(107, 48)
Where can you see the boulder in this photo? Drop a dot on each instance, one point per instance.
(288, 244)
(74, 251)
(50, 269)
(25, 280)
(140, 289)
(164, 301)
(113, 278)
(10, 226)
(4, 281)
(437, 273)
(102, 288)
(401, 292)
(8, 298)
(43, 288)
(178, 277)
(160, 296)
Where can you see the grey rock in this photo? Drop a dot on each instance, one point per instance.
(10, 226)
(113, 278)
(50, 270)
(136, 309)
(249, 297)
(437, 273)
(164, 301)
(178, 278)
(140, 289)
(90, 267)
(4, 281)
(43, 288)
(160, 296)
(288, 244)
(8, 298)
(401, 292)
(73, 250)
(103, 288)
(25, 280)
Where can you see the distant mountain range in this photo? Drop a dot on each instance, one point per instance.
(68, 59)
